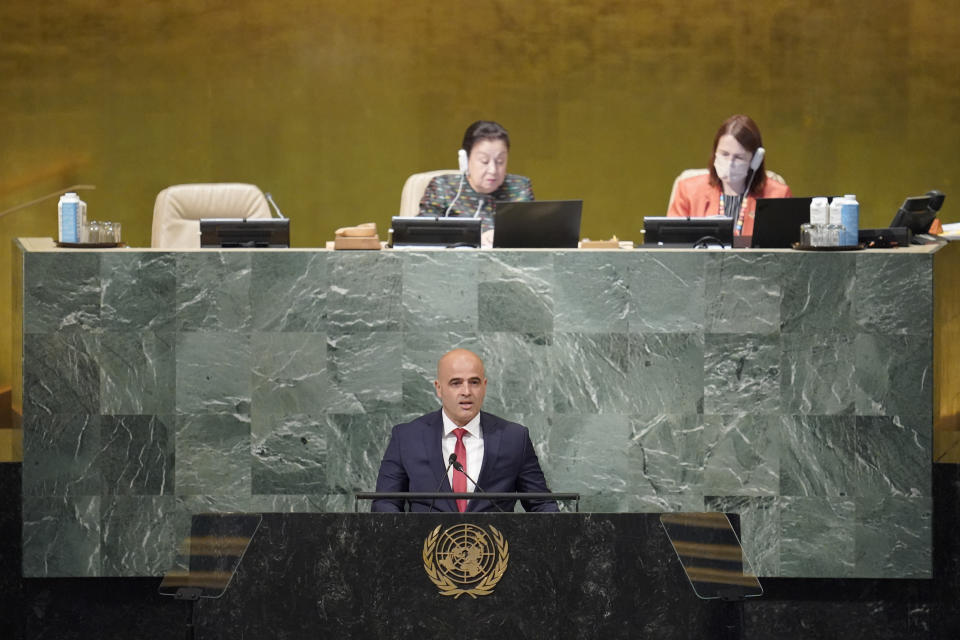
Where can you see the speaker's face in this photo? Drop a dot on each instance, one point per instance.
(487, 165)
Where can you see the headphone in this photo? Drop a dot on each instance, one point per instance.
(462, 160)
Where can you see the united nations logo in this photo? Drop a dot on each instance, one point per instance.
(464, 559)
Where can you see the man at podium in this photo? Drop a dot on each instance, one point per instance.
(427, 454)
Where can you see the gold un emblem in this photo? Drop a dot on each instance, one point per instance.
(465, 559)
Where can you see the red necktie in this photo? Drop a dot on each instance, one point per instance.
(460, 479)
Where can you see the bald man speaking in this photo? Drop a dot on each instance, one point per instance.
(496, 453)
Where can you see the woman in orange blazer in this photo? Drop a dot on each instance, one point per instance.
(720, 191)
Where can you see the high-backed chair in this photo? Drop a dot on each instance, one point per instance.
(413, 190)
(178, 209)
(689, 173)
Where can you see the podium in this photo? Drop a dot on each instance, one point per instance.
(564, 575)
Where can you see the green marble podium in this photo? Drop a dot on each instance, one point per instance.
(793, 388)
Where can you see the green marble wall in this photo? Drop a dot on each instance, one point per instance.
(331, 104)
(793, 388)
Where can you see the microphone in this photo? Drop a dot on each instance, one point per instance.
(479, 489)
(450, 461)
(60, 192)
(274, 205)
(754, 165)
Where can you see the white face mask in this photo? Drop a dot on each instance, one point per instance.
(730, 171)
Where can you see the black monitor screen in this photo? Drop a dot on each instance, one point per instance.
(244, 233)
(687, 232)
(916, 214)
(427, 231)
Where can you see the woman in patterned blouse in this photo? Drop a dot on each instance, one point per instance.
(475, 192)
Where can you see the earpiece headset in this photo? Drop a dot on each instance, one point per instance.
(462, 160)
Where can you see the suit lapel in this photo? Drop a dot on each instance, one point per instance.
(491, 452)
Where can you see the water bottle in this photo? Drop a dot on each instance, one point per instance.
(850, 219)
(68, 217)
(834, 212)
(819, 211)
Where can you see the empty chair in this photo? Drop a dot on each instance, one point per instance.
(179, 208)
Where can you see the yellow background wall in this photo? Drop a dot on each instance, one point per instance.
(330, 104)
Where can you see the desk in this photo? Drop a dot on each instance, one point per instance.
(794, 388)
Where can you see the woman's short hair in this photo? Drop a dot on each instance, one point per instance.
(747, 133)
(484, 130)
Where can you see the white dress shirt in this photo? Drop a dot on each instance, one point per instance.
(472, 442)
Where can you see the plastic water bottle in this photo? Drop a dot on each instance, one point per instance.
(850, 219)
(835, 211)
(68, 217)
(819, 211)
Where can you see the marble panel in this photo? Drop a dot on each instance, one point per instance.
(440, 291)
(366, 292)
(818, 456)
(137, 372)
(213, 373)
(213, 291)
(288, 290)
(290, 376)
(665, 373)
(61, 292)
(515, 292)
(586, 454)
(666, 455)
(818, 293)
(894, 375)
(60, 373)
(894, 294)
(759, 529)
(592, 292)
(421, 351)
(590, 373)
(61, 454)
(817, 537)
(136, 455)
(213, 455)
(61, 536)
(818, 374)
(366, 371)
(138, 535)
(892, 537)
(138, 291)
(744, 294)
(741, 373)
(290, 454)
(519, 370)
(667, 291)
(742, 455)
(893, 456)
(359, 441)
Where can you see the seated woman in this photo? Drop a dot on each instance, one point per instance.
(482, 181)
(722, 191)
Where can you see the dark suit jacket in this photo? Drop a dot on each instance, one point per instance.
(414, 462)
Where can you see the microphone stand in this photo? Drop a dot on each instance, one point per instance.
(459, 467)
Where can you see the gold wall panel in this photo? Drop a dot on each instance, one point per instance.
(330, 104)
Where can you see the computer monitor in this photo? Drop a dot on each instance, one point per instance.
(428, 231)
(915, 214)
(677, 232)
(777, 222)
(537, 224)
(245, 233)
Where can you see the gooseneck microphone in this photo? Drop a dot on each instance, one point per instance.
(274, 205)
(755, 163)
(478, 488)
(452, 460)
